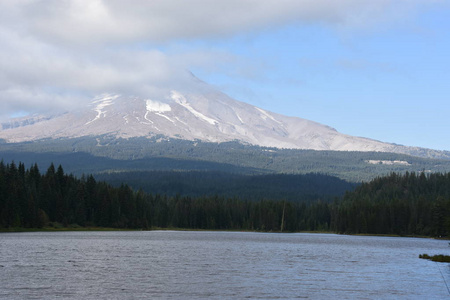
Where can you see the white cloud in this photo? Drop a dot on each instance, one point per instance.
(94, 22)
(54, 53)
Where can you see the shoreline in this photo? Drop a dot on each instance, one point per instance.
(96, 228)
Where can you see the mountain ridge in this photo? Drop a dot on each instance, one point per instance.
(199, 113)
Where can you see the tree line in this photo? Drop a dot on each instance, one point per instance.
(405, 204)
(409, 204)
(31, 200)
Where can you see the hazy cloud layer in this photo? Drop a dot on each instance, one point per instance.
(60, 53)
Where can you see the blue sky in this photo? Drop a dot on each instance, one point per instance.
(389, 83)
(378, 69)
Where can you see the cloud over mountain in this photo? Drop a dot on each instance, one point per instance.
(61, 53)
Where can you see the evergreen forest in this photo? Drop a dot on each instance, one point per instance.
(291, 187)
(107, 154)
(414, 204)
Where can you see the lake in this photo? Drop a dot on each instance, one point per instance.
(230, 265)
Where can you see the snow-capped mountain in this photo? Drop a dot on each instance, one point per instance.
(199, 114)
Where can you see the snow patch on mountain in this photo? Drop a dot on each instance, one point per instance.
(181, 100)
(155, 106)
(265, 115)
(388, 162)
(158, 108)
(102, 102)
(164, 116)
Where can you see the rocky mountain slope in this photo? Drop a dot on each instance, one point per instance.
(202, 113)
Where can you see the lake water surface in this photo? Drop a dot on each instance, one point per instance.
(193, 265)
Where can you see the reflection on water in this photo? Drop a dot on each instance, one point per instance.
(164, 264)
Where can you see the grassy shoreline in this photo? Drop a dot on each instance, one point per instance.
(436, 258)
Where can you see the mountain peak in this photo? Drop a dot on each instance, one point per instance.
(205, 114)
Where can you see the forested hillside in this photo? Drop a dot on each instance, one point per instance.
(31, 200)
(413, 203)
(292, 187)
(409, 204)
(106, 154)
